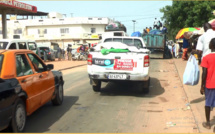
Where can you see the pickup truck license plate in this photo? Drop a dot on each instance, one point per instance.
(117, 76)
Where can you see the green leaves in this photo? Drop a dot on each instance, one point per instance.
(186, 14)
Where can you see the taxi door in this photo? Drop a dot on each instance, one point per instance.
(29, 82)
(45, 77)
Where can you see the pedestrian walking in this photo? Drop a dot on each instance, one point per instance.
(177, 47)
(203, 41)
(186, 45)
(59, 53)
(63, 54)
(69, 51)
(208, 85)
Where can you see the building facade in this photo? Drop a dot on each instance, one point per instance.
(57, 30)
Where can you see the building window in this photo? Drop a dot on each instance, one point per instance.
(0, 31)
(93, 30)
(99, 18)
(42, 31)
(18, 31)
(64, 30)
(90, 18)
(77, 41)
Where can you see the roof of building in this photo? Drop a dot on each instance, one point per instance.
(39, 13)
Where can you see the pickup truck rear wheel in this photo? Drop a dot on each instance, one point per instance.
(97, 87)
(146, 85)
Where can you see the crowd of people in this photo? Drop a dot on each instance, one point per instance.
(157, 25)
(63, 54)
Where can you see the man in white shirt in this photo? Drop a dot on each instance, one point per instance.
(204, 40)
(155, 24)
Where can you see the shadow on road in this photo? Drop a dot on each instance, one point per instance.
(200, 99)
(46, 116)
(132, 89)
(212, 121)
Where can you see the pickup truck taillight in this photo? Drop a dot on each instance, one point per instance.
(146, 61)
(89, 59)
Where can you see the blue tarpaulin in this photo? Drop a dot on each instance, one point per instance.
(136, 34)
(155, 31)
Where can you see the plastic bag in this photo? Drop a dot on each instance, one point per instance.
(191, 73)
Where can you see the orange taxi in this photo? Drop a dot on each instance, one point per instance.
(26, 83)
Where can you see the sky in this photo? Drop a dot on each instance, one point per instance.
(144, 12)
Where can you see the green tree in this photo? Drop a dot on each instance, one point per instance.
(186, 14)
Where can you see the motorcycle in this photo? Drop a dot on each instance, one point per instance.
(80, 56)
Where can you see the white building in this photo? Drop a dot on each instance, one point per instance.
(56, 29)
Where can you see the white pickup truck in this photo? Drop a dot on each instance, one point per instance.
(119, 59)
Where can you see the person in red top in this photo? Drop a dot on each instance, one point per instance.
(208, 84)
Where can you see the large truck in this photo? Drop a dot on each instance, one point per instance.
(156, 43)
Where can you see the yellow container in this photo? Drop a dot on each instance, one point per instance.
(196, 55)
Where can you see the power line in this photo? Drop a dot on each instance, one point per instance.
(138, 19)
(132, 15)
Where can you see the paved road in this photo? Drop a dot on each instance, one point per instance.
(119, 107)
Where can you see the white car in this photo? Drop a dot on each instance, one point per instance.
(132, 64)
(18, 44)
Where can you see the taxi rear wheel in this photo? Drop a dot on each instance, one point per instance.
(59, 96)
(19, 117)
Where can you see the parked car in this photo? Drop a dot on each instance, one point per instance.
(49, 53)
(18, 44)
(27, 83)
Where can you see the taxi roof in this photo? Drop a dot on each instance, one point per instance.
(15, 51)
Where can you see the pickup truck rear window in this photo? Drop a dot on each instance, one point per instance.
(130, 42)
(3, 45)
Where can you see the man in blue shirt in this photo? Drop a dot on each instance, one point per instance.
(164, 30)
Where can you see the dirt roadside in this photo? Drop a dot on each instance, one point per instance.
(196, 100)
(65, 64)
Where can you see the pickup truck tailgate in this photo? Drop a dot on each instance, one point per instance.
(117, 62)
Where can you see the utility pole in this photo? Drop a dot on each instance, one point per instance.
(134, 21)
(71, 14)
